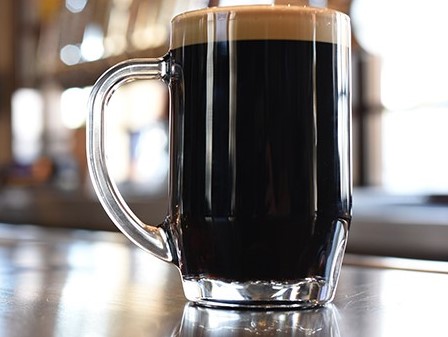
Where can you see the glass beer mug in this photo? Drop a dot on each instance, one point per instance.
(260, 154)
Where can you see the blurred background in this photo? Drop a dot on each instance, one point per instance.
(52, 51)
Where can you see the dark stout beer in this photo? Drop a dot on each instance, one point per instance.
(260, 176)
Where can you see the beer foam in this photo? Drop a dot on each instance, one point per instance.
(260, 22)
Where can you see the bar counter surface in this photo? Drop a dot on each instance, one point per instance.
(59, 282)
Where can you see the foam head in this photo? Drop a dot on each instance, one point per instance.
(260, 22)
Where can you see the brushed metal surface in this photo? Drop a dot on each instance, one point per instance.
(86, 283)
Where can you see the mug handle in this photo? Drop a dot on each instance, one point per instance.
(154, 239)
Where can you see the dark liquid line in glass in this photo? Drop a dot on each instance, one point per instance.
(258, 182)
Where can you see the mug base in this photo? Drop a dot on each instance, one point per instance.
(306, 293)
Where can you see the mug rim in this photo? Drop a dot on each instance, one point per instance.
(260, 22)
(262, 9)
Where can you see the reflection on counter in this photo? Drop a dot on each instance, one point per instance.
(82, 283)
(210, 322)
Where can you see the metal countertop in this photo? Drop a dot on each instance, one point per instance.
(90, 283)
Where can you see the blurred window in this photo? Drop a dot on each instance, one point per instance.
(409, 38)
(27, 125)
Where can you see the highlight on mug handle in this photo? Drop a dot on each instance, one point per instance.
(153, 239)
